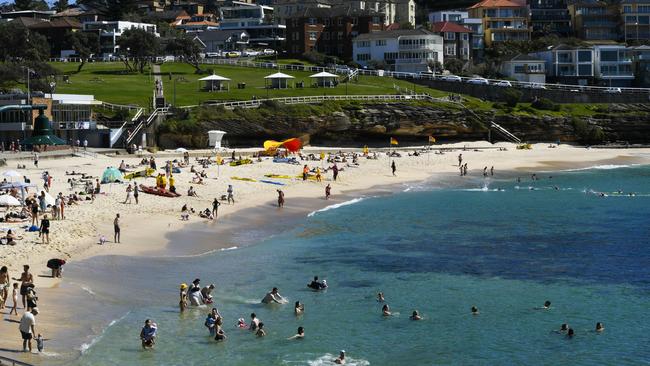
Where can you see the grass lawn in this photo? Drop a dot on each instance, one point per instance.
(188, 93)
(107, 82)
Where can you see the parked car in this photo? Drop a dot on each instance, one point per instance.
(250, 53)
(503, 83)
(613, 90)
(478, 81)
(269, 65)
(534, 86)
(268, 51)
(342, 69)
(212, 54)
(233, 54)
(426, 75)
(452, 78)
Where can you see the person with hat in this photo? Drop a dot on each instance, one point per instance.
(183, 297)
(26, 327)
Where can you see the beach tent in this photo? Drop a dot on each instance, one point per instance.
(292, 144)
(20, 185)
(325, 79)
(278, 80)
(49, 200)
(112, 175)
(11, 174)
(7, 200)
(215, 82)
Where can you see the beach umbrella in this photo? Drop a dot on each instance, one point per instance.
(11, 174)
(49, 200)
(7, 200)
(112, 175)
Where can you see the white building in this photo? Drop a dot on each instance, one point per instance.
(257, 20)
(396, 11)
(525, 68)
(613, 65)
(110, 31)
(402, 50)
(455, 16)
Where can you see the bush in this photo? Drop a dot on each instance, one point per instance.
(511, 97)
(314, 57)
(587, 134)
(545, 104)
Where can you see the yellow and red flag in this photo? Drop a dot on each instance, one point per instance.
(432, 139)
(393, 141)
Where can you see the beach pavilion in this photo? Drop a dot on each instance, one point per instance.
(278, 80)
(325, 79)
(216, 82)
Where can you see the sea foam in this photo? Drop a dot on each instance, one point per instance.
(333, 207)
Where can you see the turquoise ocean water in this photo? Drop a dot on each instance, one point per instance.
(500, 245)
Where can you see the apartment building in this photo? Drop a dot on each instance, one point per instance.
(257, 20)
(402, 50)
(613, 65)
(455, 16)
(595, 20)
(502, 20)
(462, 18)
(550, 17)
(395, 11)
(330, 31)
(110, 32)
(285, 9)
(525, 68)
(635, 16)
(457, 40)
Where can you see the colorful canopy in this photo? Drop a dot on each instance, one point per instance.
(112, 175)
(292, 144)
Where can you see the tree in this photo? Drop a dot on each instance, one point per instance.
(188, 48)
(30, 5)
(116, 9)
(138, 45)
(406, 25)
(60, 5)
(454, 65)
(19, 44)
(85, 44)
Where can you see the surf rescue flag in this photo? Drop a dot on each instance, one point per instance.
(393, 141)
(432, 139)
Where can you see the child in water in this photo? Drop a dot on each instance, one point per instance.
(40, 343)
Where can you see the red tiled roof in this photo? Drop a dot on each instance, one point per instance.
(499, 4)
(449, 27)
(392, 26)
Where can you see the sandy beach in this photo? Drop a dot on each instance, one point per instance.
(147, 227)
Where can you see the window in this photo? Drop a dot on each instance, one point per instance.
(375, 20)
(312, 21)
(390, 56)
(643, 9)
(450, 36)
(608, 56)
(465, 37)
(520, 69)
(363, 56)
(627, 9)
(450, 50)
(363, 44)
(340, 21)
(643, 19)
(380, 42)
(327, 22)
(326, 36)
(296, 36)
(313, 36)
(584, 70)
(584, 56)
(339, 36)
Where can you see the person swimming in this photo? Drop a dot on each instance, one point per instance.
(241, 323)
(570, 333)
(299, 308)
(315, 284)
(564, 327)
(380, 297)
(220, 336)
(274, 297)
(341, 359)
(475, 310)
(260, 330)
(546, 306)
(600, 327)
(299, 335)
(415, 315)
(385, 310)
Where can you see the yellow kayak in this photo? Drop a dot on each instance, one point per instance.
(278, 176)
(241, 162)
(140, 174)
(244, 179)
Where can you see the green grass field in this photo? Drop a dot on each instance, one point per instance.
(108, 82)
(188, 87)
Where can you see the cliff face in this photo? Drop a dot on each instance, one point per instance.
(374, 124)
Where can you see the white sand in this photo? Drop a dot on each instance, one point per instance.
(144, 225)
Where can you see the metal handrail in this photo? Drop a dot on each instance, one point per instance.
(12, 362)
(145, 123)
(120, 130)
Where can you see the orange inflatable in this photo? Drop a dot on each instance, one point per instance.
(292, 144)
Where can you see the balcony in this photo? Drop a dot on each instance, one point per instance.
(411, 47)
(412, 60)
(14, 126)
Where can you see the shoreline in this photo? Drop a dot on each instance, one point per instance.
(158, 238)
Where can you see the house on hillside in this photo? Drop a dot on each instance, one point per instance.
(223, 40)
(525, 68)
(197, 23)
(502, 20)
(110, 31)
(635, 16)
(257, 20)
(457, 39)
(411, 50)
(550, 17)
(330, 31)
(595, 20)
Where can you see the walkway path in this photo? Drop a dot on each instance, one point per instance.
(159, 83)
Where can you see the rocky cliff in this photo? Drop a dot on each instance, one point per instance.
(355, 124)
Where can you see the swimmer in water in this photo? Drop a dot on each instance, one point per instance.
(564, 327)
(474, 310)
(260, 330)
(341, 359)
(299, 335)
(299, 308)
(274, 297)
(600, 327)
(380, 297)
(570, 333)
(254, 322)
(547, 305)
(415, 315)
(385, 310)
(221, 335)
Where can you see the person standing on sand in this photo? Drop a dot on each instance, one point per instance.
(318, 176)
(328, 191)
(36, 160)
(26, 281)
(460, 160)
(335, 171)
(305, 172)
(34, 209)
(62, 208)
(26, 327)
(116, 229)
(45, 230)
(492, 170)
(280, 198)
(4, 286)
(129, 191)
(215, 208)
(136, 193)
(393, 167)
(465, 169)
(485, 172)
(231, 197)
